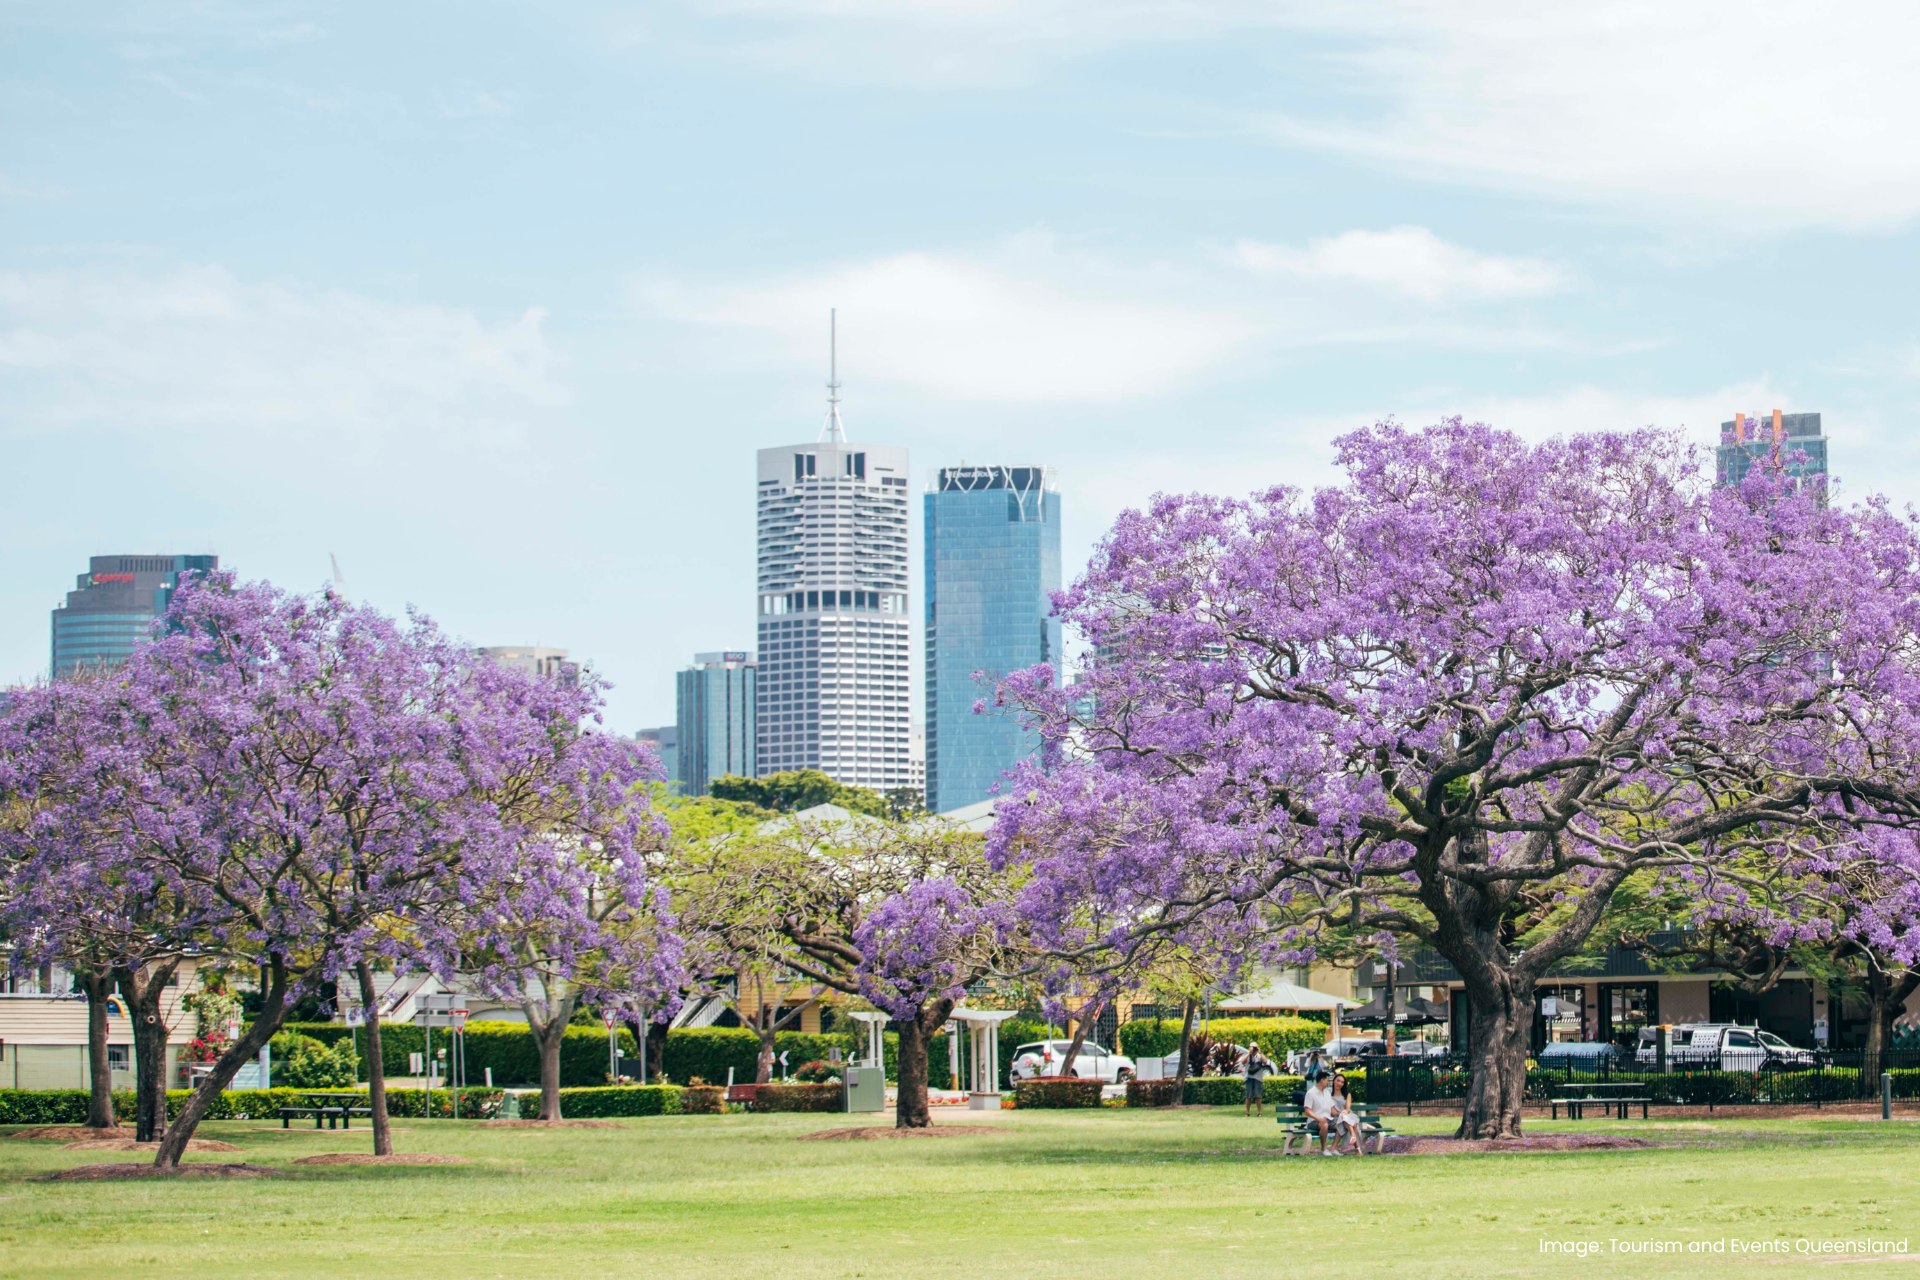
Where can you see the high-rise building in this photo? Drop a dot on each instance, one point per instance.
(665, 741)
(1745, 441)
(113, 607)
(993, 564)
(834, 632)
(714, 719)
(551, 664)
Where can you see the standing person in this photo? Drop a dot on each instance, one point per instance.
(1259, 1067)
(1319, 1108)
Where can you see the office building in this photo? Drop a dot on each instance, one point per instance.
(714, 719)
(1795, 438)
(551, 664)
(834, 631)
(665, 742)
(992, 565)
(113, 607)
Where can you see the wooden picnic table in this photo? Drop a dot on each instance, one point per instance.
(1608, 1096)
(334, 1108)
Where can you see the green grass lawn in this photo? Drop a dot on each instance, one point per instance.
(1169, 1195)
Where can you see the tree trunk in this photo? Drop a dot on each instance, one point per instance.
(549, 1034)
(376, 1066)
(763, 1067)
(273, 1012)
(144, 987)
(1186, 1037)
(1502, 1011)
(916, 1034)
(654, 1045)
(1088, 1012)
(98, 984)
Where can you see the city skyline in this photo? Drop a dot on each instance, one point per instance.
(496, 309)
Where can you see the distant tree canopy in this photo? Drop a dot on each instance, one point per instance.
(796, 790)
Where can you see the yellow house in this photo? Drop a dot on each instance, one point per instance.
(43, 1035)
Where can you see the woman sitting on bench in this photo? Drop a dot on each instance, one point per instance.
(1343, 1114)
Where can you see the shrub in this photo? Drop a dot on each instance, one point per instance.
(818, 1072)
(53, 1106)
(311, 1064)
(703, 1100)
(621, 1100)
(1149, 1093)
(1056, 1092)
(1156, 1038)
(799, 1097)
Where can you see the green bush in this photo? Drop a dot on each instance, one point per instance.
(1277, 1037)
(1052, 1092)
(703, 1100)
(620, 1100)
(799, 1097)
(53, 1106)
(1149, 1093)
(506, 1047)
(307, 1063)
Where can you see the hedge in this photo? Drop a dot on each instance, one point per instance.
(1056, 1092)
(617, 1100)
(1277, 1037)
(507, 1047)
(69, 1106)
(798, 1097)
(703, 1100)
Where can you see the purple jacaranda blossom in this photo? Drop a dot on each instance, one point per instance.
(1462, 697)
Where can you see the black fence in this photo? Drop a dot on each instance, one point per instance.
(1839, 1077)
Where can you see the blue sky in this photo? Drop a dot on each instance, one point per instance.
(494, 302)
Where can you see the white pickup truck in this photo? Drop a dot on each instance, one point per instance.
(1721, 1045)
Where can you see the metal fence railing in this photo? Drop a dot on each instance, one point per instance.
(1830, 1078)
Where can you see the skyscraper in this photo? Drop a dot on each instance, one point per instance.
(113, 606)
(714, 719)
(834, 684)
(1745, 441)
(993, 563)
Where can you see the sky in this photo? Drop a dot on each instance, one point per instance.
(494, 302)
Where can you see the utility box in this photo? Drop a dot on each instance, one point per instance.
(866, 1086)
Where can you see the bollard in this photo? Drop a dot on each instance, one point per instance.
(1886, 1095)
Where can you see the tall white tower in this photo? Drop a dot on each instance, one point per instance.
(834, 630)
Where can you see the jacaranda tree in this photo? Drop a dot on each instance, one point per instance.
(305, 786)
(1461, 697)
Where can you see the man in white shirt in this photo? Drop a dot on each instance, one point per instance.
(1319, 1108)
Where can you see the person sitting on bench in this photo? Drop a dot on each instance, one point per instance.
(1320, 1110)
(1344, 1116)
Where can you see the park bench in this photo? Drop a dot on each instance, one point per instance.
(1576, 1098)
(1294, 1122)
(743, 1094)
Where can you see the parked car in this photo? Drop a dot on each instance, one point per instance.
(1429, 1049)
(1726, 1046)
(1582, 1055)
(1093, 1062)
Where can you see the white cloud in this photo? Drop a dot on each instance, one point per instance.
(200, 352)
(1756, 116)
(1407, 260)
(974, 330)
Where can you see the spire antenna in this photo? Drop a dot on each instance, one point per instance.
(833, 432)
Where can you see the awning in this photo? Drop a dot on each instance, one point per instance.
(1288, 996)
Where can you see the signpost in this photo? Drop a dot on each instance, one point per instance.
(445, 1009)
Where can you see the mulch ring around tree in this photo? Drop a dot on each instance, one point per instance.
(364, 1157)
(128, 1144)
(551, 1124)
(68, 1133)
(1526, 1144)
(869, 1132)
(107, 1172)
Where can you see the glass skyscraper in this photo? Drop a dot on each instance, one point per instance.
(714, 719)
(113, 606)
(1746, 441)
(993, 563)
